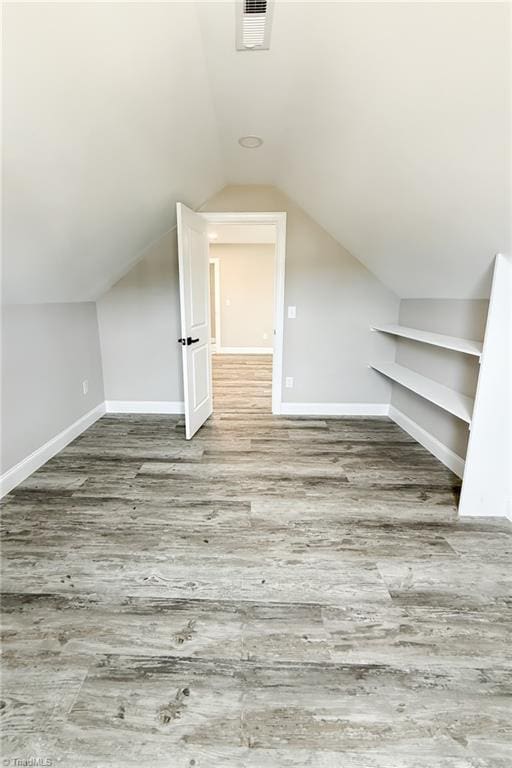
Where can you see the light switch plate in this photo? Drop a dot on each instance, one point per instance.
(292, 313)
(288, 382)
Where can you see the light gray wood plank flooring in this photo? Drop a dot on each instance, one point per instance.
(278, 592)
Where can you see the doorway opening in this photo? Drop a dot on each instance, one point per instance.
(246, 279)
(242, 274)
(248, 335)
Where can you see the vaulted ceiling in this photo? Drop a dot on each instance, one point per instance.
(108, 121)
(389, 123)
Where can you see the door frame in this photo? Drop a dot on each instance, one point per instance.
(279, 220)
(215, 261)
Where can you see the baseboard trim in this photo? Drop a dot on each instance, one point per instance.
(334, 409)
(40, 456)
(245, 350)
(428, 441)
(145, 406)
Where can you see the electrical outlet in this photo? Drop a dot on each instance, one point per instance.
(292, 313)
(265, 336)
(228, 302)
(85, 386)
(288, 382)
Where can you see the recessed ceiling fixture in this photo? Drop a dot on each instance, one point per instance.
(250, 142)
(253, 21)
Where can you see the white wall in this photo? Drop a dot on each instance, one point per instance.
(48, 350)
(246, 303)
(459, 372)
(326, 349)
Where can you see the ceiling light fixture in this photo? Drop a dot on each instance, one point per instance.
(250, 142)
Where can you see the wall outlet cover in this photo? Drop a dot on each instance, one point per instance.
(288, 382)
(292, 313)
(85, 386)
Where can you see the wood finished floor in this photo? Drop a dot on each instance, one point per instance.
(278, 592)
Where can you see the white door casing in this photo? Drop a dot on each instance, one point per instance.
(215, 263)
(193, 261)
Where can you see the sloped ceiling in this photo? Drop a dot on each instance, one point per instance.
(108, 121)
(388, 123)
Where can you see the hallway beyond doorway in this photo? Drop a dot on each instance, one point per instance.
(242, 384)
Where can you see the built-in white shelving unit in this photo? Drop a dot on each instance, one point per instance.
(487, 485)
(467, 346)
(487, 480)
(444, 397)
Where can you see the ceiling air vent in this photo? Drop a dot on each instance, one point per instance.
(253, 21)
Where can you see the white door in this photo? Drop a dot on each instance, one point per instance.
(195, 317)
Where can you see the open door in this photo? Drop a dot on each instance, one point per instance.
(195, 317)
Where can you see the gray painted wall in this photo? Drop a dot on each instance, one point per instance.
(464, 318)
(326, 349)
(139, 321)
(48, 350)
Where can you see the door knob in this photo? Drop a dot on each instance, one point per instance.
(188, 341)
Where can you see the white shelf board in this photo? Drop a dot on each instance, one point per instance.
(467, 346)
(444, 397)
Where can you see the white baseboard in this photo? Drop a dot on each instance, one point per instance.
(334, 409)
(145, 406)
(428, 441)
(40, 456)
(245, 350)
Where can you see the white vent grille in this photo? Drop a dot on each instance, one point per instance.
(253, 25)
